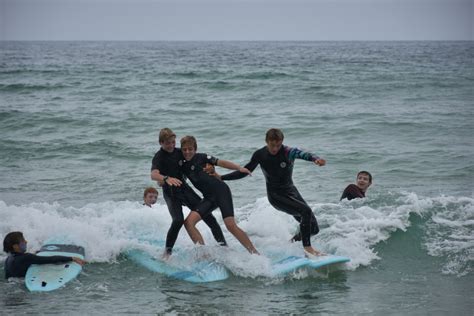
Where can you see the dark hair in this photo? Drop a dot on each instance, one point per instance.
(274, 134)
(13, 238)
(367, 173)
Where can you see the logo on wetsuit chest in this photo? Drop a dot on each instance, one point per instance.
(180, 163)
(192, 167)
(283, 164)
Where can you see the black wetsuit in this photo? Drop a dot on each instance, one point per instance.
(352, 191)
(281, 192)
(16, 263)
(175, 197)
(215, 191)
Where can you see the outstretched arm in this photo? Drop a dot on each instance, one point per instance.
(294, 153)
(232, 166)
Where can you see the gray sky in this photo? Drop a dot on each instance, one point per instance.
(236, 19)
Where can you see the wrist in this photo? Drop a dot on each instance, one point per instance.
(165, 178)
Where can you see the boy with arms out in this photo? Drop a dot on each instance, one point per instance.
(166, 170)
(215, 192)
(277, 161)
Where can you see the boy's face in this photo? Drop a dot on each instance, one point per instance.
(274, 146)
(150, 198)
(188, 152)
(363, 181)
(21, 247)
(169, 144)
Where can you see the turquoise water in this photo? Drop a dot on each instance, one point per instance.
(79, 124)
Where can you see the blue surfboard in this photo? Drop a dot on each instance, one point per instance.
(197, 272)
(49, 277)
(293, 263)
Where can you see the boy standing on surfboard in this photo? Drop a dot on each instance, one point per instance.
(277, 161)
(176, 191)
(215, 192)
(18, 260)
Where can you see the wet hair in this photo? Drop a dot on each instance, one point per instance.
(165, 135)
(189, 140)
(149, 190)
(13, 238)
(366, 173)
(274, 134)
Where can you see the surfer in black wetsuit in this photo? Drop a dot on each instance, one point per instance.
(215, 192)
(18, 260)
(176, 191)
(363, 182)
(277, 161)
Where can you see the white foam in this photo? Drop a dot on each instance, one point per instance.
(350, 228)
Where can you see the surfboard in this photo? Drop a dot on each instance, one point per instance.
(49, 277)
(293, 263)
(196, 272)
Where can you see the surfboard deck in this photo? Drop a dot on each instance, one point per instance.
(197, 272)
(49, 277)
(293, 263)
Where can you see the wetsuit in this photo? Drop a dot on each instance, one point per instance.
(16, 263)
(215, 191)
(352, 191)
(281, 192)
(176, 197)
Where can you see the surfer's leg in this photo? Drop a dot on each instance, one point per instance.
(292, 203)
(192, 200)
(203, 209)
(190, 225)
(216, 230)
(176, 211)
(239, 234)
(224, 201)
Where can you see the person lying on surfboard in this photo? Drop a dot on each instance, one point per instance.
(277, 161)
(215, 192)
(18, 260)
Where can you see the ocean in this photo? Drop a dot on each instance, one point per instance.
(79, 125)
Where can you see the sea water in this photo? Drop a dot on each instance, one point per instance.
(79, 125)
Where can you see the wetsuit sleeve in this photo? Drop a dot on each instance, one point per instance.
(34, 259)
(292, 153)
(352, 192)
(251, 165)
(210, 159)
(155, 162)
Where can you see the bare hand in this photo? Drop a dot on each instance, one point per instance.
(320, 162)
(245, 170)
(173, 182)
(79, 261)
(209, 169)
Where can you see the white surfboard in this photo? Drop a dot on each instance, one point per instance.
(49, 277)
(196, 272)
(293, 263)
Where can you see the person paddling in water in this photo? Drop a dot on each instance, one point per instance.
(353, 191)
(18, 260)
(277, 161)
(214, 191)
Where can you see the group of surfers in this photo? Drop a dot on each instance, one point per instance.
(171, 166)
